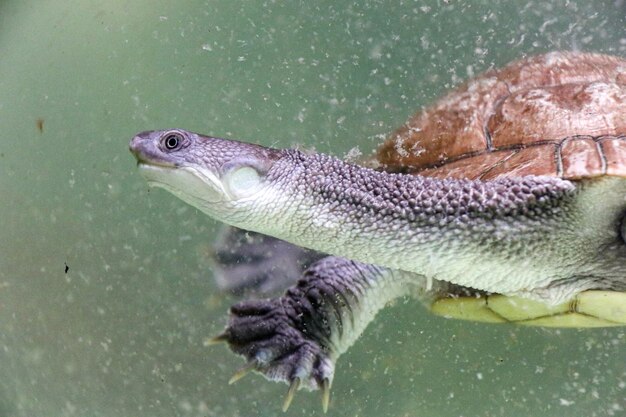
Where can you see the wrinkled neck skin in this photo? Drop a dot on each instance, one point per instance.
(485, 235)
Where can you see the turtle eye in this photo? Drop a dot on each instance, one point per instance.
(172, 141)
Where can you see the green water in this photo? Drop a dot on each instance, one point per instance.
(120, 334)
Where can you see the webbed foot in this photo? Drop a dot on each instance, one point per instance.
(271, 335)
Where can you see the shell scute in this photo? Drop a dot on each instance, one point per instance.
(561, 111)
(532, 160)
(581, 157)
(529, 117)
(614, 151)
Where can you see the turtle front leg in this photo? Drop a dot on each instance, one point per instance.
(297, 338)
(250, 263)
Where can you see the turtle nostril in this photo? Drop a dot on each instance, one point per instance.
(134, 144)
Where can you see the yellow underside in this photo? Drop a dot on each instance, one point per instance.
(587, 309)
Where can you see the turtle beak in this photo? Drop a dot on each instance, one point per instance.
(137, 144)
(144, 149)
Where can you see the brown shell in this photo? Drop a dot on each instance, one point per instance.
(561, 114)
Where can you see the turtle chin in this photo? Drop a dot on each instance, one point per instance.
(198, 187)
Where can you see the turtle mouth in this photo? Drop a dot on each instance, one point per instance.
(154, 174)
(145, 164)
(195, 186)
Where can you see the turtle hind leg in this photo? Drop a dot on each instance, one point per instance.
(249, 263)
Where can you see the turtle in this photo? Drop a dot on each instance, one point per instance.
(503, 202)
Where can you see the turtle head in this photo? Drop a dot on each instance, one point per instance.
(220, 177)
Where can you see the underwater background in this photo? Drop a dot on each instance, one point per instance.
(106, 289)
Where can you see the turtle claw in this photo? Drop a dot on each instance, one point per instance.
(295, 384)
(217, 340)
(271, 335)
(243, 371)
(293, 388)
(325, 394)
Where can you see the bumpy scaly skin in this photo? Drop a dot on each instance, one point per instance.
(460, 231)
(421, 224)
